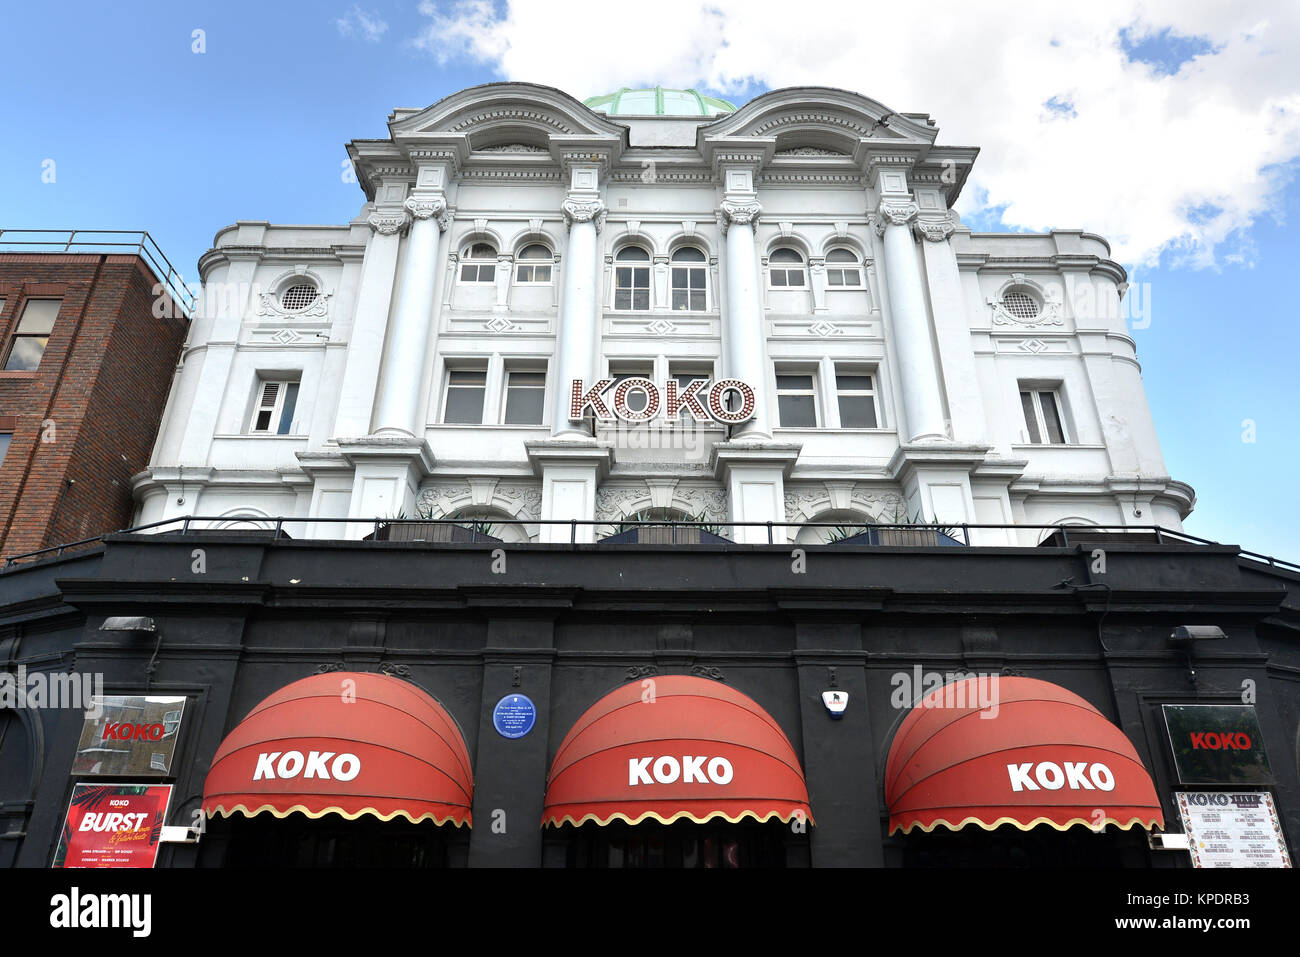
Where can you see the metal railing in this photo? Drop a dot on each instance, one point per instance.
(679, 533)
(136, 241)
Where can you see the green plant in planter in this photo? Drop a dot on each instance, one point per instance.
(480, 526)
(664, 516)
(841, 532)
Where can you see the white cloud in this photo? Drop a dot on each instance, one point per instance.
(1176, 164)
(366, 24)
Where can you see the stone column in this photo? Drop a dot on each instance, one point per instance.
(398, 409)
(575, 345)
(366, 341)
(744, 340)
(912, 340)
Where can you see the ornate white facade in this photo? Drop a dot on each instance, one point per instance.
(418, 360)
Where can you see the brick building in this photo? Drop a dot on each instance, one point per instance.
(85, 371)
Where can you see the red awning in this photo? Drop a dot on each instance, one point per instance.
(675, 747)
(1041, 755)
(347, 743)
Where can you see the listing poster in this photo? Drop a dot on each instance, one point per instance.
(113, 825)
(1232, 829)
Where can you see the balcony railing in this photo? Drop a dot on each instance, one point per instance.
(135, 241)
(450, 531)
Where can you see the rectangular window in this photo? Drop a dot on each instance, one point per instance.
(524, 394)
(5, 439)
(464, 400)
(632, 287)
(796, 400)
(689, 286)
(857, 400)
(277, 400)
(33, 332)
(1043, 416)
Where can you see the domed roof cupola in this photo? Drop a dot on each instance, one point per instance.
(658, 101)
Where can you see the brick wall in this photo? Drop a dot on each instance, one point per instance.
(90, 412)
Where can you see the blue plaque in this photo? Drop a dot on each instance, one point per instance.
(514, 716)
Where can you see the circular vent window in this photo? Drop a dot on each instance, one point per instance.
(298, 297)
(1020, 304)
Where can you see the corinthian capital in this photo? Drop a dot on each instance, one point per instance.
(426, 207)
(741, 213)
(387, 224)
(935, 230)
(584, 211)
(895, 212)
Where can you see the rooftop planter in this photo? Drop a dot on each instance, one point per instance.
(628, 532)
(931, 537)
(431, 532)
(665, 535)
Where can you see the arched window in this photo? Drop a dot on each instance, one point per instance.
(297, 296)
(843, 269)
(786, 268)
(690, 279)
(478, 263)
(534, 264)
(1020, 303)
(632, 279)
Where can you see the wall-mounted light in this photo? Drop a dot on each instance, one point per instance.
(1188, 633)
(128, 623)
(1187, 636)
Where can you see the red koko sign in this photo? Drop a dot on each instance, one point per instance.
(113, 825)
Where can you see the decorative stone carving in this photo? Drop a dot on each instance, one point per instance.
(525, 500)
(823, 328)
(641, 671)
(935, 230)
(512, 148)
(704, 671)
(741, 213)
(394, 669)
(702, 500)
(425, 207)
(613, 502)
(584, 211)
(895, 212)
(387, 224)
(808, 151)
(269, 305)
(802, 502)
(1049, 313)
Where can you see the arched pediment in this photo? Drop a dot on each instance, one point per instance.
(496, 114)
(821, 117)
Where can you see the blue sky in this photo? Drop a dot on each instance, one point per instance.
(146, 133)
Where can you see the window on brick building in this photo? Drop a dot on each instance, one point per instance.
(5, 439)
(31, 335)
(273, 412)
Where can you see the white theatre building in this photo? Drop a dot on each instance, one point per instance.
(795, 325)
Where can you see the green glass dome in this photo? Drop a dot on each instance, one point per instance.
(658, 101)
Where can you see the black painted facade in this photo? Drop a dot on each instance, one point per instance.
(567, 624)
